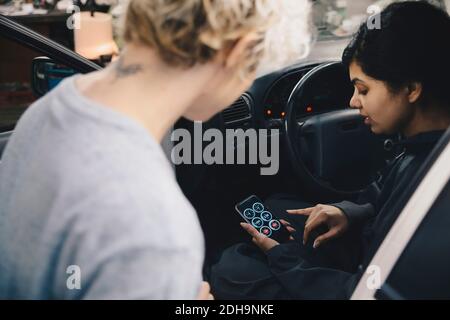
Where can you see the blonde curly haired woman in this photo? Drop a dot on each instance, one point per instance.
(90, 208)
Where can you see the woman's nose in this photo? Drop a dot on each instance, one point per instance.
(354, 101)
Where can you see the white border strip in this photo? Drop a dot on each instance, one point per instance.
(406, 225)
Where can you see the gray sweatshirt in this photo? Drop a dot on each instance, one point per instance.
(90, 208)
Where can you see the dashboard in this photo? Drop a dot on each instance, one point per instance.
(264, 104)
(329, 94)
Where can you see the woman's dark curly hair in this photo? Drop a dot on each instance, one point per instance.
(412, 45)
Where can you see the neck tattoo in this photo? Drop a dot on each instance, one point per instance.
(123, 70)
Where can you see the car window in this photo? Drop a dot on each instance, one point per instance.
(15, 59)
(63, 22)
(335, 19)
(15, 82)
(423, 269)
(20, 84)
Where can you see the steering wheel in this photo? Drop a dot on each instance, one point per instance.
(330, 151)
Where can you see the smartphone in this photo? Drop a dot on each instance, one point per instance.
(257, 214)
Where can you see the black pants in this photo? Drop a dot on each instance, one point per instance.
(243, 271)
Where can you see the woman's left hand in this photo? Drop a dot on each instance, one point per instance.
(263, 242)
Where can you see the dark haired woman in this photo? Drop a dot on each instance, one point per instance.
(401, 78)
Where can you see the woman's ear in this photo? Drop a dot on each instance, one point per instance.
(414, 91)
(239, 50)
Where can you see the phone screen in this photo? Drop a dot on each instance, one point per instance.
(256, 213)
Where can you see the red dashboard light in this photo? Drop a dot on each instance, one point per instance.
(269, 112)
(309, 109)
(283, 114)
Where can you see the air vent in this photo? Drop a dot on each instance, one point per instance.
(238, 112)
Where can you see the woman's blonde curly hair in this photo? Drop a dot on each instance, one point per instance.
(190, 32)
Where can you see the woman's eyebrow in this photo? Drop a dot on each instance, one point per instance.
(355, 80)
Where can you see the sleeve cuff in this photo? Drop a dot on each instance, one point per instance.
(356, 213)
(275, 253)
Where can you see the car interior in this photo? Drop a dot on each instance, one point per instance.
(326, 152)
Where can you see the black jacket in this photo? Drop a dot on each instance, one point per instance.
(373, 214)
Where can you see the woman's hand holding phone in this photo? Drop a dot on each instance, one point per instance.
(263, 242)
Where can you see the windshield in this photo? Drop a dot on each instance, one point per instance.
(337, 19)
